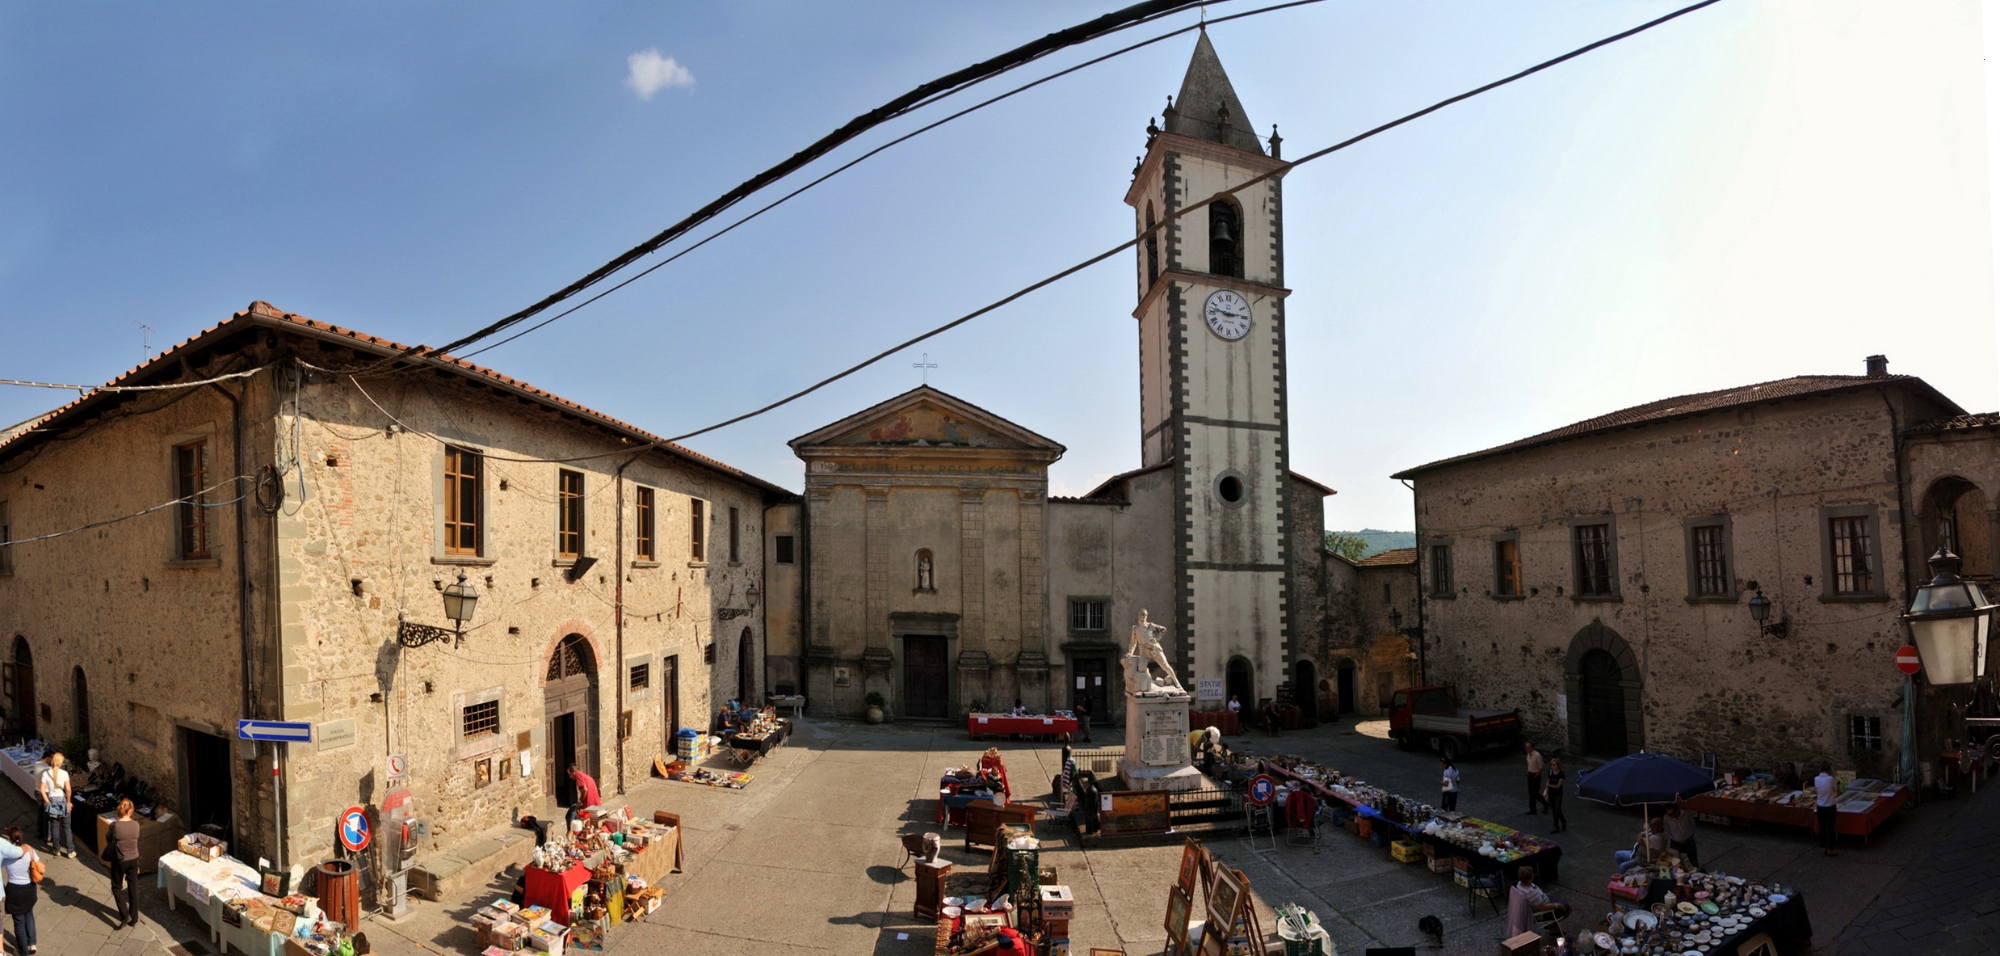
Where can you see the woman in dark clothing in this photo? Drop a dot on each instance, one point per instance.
(1552, 793)
(121, 855)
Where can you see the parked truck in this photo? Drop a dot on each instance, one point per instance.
(1430, 718)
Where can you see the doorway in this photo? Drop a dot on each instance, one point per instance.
(80, 699)
(1343, 687)
(1603, 705)
(205, 779)
(746, 670)
(1305, 691)
(569, 701)
(20, 681)
(926, 677)
(1090, 673)
(1240, 683)
(670, 698)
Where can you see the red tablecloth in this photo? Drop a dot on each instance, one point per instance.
(1219, 719)
(553, 889)
(1850, 824)
(987, 725)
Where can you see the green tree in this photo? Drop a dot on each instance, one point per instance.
(1349, 546)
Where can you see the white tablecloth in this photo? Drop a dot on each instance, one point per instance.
(29, 777)
(204, 885)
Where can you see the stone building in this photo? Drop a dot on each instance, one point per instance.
(325, 499)
(1212, 535)
(1600, 576)
(1381, 608)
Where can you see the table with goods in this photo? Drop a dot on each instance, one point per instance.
(1451, 840)
(1863, 807)
(1672, 909)
(96, 788)
(757, 736)
(606, 871)
(1015, 896)
(1004, 725)
(959, 787)
(256, 912)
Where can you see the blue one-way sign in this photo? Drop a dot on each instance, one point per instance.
(291, 732)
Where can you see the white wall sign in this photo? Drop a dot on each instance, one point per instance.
(1562, 706)
(1208, 688)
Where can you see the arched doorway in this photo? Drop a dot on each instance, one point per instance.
(1240, 682)
(1305, 691)
(1602, 678)
(746, 668)
(1343, 686)
(80, 700)
(1954, 517)
(569, 704)
(21, 689)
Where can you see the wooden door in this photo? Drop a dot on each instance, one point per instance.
(1603, 705)
(670, 700)
(926, 676)
(1343, 686)
(1090, 672)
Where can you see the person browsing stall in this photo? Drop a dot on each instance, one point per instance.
(1535, 801)
(121, 856)
(1449, 784)
(54, 791)
(1552, 794)
(1825, 790)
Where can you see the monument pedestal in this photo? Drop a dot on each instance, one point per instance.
(1156, 744)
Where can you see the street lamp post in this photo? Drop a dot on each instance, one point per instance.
(460, 600)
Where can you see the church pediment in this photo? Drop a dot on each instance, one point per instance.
(926, 418)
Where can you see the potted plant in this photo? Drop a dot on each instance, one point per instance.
(874, 701)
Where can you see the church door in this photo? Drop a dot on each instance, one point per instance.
(1603, 706)
(569, 703)
(1343, 686)
(1239, 683)
(1305, 691)
(1090, 673)
(926, 676)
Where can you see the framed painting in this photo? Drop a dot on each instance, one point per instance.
(1178, 904)
(1225, 900)
(482, 773)
(1190, 866)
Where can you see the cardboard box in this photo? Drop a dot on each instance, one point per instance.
(1439, 866)
(1405, 851)
(1526, 944)
(1057, 902)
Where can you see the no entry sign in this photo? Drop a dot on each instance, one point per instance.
(1906, 660)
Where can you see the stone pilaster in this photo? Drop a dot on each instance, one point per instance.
(972, 565)
(875, 623)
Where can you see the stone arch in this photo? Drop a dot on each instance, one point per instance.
(563, 632)
(1597, 638)
(22, 688)
(1239, 678)
(1954, 514)
(1344, 687)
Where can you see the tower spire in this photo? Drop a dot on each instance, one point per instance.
(1206, 98)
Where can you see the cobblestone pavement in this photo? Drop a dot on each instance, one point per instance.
(1948, 900)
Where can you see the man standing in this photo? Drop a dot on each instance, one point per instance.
(1680, 833)
(1082, 712)
(1450, 785)
(1535, 801)
(1824, 791)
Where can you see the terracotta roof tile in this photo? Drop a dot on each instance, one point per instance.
(1391, 557)
(1958, 422)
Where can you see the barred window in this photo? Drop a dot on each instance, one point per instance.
(1711, 561)
(191, 511)
(1864, 733)
(642, 677)
(480, 720)
(1086, 615)
(1853, 555)
(1441, 586)
(1592, 544)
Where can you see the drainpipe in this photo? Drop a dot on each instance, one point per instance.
(1908, 768)
(1417, 572)
(618, 615)
(246, 621)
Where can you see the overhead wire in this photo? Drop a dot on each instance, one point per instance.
(850, 164)
(192, 499)
(86, 389)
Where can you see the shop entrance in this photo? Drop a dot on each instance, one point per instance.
(1240, 683)
(20, 681)
(1343, 686)
(746, 668)
(926, 676)
(1305, 691)
(1090, 673)
(1603, 706)
(569, 700)
(670, 697)
(205, 780)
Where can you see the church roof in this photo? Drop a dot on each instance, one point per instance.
(1207, 107)
(925, 417)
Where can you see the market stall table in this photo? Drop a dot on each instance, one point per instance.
(224, 893)
(662, 855)
(1545, 856)
(1786, 922)
(1861, 811)
(1001, 725)
(23, 764)
(551, 889)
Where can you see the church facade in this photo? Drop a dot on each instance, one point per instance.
(941, 576)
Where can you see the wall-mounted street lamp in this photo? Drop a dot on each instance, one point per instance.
(1760, 611)
(460, 599)
(1950, 621)
(750, 594)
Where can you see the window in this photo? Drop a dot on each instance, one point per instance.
(1590, 545)
(735, 536)
(479, 720)
(697, 541)
(1709, 573)
(6, 535)
(190, 515)
(782, 549)
(1853, 555)
(1388, 595)
(926, 571)
(462, 504)
(1507, 567)
(641, 677)
(1225, 239)
(1441, 586)
(642, 504)
(1086, 614)
(1152, 248)
(1864, 733)
(569, 513)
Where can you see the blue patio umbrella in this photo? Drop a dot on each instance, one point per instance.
(1642, 778)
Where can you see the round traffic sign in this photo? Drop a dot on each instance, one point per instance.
(1262, 789)
(355, 829)
(1906, 660)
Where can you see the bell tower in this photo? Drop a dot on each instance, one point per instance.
(1211, 318)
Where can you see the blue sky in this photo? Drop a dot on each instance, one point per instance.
(1763, 189)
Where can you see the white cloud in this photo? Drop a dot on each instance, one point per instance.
(652, 73)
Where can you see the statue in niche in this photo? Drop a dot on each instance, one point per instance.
(1144, 654)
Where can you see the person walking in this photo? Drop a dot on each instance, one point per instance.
(1552, 794)
(54, 791)
(21, 893)
(1824, 792)
(1680, 833)
(1450, 785)
(1535, 801)
(121, 857)
(1082, 713)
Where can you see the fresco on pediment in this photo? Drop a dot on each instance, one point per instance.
(923, 426)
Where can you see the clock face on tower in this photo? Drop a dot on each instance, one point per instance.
(1228, 315)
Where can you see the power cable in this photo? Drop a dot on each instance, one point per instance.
(186, 499)
(850, 164)
(86, 389)
(925, 93)
(1141, 237)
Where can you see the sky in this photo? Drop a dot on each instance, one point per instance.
(1762, 189)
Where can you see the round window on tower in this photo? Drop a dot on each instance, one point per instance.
(1229, 487)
